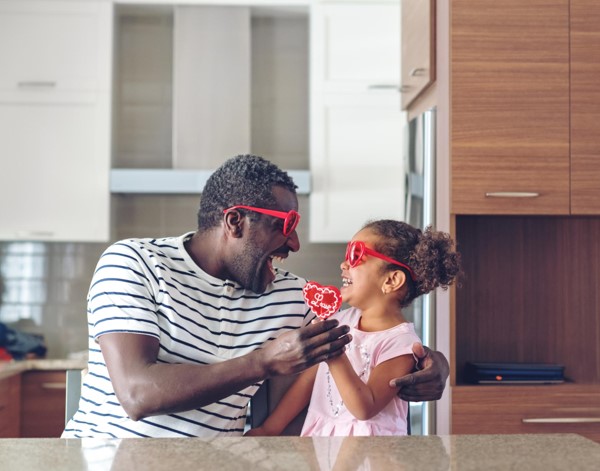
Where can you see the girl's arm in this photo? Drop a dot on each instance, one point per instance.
(366, 400)
(291, 404)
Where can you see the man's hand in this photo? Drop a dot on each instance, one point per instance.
(427, 382)
(300, 349)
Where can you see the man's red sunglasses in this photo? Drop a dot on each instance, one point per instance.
(290, 219)
(357, 249)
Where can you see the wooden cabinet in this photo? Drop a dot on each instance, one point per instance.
(43, 403)
(10, 405)
(356, 141)
(585, 107)
(524, 103)
(418, 48)
(529, 294)
(527, 409)
(55, 119)
(525, 107)
(510, 107)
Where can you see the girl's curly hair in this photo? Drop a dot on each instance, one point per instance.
(243, 179)
(430, 254)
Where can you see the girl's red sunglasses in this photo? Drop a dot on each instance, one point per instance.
(290, 219)
(357, 249)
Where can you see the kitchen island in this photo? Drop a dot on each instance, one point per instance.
(456, 452)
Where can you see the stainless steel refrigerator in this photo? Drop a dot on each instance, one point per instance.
(419, 158)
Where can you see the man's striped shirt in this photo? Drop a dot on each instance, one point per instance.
(153, 287)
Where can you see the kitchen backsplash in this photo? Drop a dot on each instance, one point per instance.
(43, 286)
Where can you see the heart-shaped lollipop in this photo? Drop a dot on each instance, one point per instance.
(322, 300)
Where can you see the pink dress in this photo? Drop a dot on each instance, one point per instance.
(327, 415)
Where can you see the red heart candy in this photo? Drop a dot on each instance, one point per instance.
(322, 300)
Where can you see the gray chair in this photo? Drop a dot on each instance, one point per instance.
(73, 392)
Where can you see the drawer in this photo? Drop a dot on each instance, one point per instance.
(43, 403)
(10, 405)
(564, 408)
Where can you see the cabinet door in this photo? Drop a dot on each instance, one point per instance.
(355, 47)
(54, 46)
(54, 183)
(585, 107)
(356, 126)
(10, 406)
(510, 107)
(356, 164)
(418, 48)
(43, 404)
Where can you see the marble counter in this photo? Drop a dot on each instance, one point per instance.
(11, 368)
(456, 452)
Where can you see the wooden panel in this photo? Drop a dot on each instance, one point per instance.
(510, 105)
(211, 95)
(527, 409)
(530, 293)
(585, 107)
(43, 404)
(10, 405)
(418, 48)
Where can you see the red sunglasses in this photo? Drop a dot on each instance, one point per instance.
(290, 219)
(357, 249)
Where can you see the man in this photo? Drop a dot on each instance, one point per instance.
(183, 330)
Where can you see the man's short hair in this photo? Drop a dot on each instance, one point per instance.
(241, 180)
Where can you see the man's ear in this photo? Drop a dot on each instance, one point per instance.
(233, 222)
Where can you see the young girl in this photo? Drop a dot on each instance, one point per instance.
(388, 264)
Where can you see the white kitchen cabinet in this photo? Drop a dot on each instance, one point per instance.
(55, 99)
(356, 138)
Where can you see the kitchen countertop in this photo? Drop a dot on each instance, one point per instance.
(11, 368)
(457, 452)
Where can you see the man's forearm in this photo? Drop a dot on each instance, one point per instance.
(145, 387)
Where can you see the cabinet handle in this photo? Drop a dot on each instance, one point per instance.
(383, 86)
(36, 84)
(54, 385)
(512, 194)
(417, 72)
(405, 88)
(35, 234)
(562, 420)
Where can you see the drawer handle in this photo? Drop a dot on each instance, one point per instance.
(562, 420)
(512, 194)
(54, 386)
(36, 84)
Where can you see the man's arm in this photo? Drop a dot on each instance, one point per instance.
(427, 383)
(145, 387)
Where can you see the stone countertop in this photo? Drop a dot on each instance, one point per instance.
(456, 452)
(11, 368)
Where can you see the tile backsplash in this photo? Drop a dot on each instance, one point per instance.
(43, 286)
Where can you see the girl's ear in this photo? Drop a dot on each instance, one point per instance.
(394, 281)
(234, 224)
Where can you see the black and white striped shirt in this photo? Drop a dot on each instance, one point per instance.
(153, 287)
